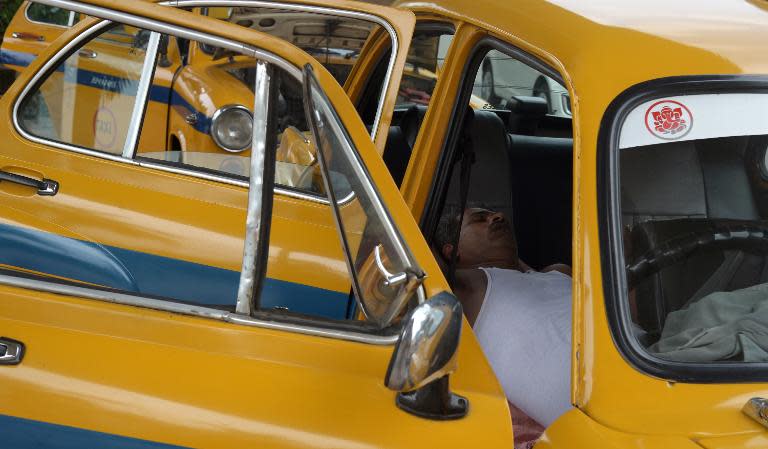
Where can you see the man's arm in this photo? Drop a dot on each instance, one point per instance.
(561, 267)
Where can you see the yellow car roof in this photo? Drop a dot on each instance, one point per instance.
(606, 46)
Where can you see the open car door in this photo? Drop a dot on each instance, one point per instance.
(154, 354)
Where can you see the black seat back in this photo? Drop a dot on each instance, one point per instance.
(670, 190)
(489, 184)
(542, 198)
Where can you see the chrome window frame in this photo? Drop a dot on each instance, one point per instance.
(142, 92)
(140, 301)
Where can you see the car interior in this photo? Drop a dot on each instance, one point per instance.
(702, 191)
(518, 169)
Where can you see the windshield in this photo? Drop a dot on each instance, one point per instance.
(693, 196)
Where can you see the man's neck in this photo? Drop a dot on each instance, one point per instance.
(506, 263)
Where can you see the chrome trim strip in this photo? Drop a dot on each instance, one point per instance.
(318, 10)
(142, 91)
(113, 297)
(149, 24)
(154, 25)
(190, 309)
(314, 331)
(147, 163)
(245, 299)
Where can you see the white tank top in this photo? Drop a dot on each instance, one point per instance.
(524, 328)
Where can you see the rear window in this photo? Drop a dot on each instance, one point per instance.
(687, 231)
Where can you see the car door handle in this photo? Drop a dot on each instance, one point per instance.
(11, 351)
(88, 53)
(46, 187)
(27, 36)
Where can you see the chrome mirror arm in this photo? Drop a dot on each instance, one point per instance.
(424, 357)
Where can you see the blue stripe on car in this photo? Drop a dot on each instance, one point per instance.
(150, 274)
(17, 58)
(160, 94)
(20, 433)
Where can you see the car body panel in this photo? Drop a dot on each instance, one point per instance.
(136, 373)
(24, 39)
(600, 49)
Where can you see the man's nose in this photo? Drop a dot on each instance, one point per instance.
(496, 217)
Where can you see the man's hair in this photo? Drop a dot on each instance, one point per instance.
(447, 227)
(450, 222)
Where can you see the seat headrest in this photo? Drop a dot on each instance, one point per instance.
(662, 181)
(528, 106)
(490, 183)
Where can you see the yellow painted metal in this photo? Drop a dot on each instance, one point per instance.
(197, 382)
(33, 37)
(600, 50)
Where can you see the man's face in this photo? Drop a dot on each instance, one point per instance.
(486, 236)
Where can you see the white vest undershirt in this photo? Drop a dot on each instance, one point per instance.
(524, 328)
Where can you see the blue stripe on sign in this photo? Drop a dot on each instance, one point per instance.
(17, 58)
(102, 81)
(20, 433)
(149, 274)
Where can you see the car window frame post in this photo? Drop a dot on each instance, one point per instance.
(261, 181)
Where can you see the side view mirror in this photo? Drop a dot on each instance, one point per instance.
(423, 358)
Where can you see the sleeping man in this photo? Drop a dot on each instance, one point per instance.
(521, 317)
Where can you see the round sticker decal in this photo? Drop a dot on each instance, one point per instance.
(668, 120)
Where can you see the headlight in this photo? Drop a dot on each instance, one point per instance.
(232, 127)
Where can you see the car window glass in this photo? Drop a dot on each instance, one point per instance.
(504, 82)
(695, 236)
(200, 89)
(88, 99)
(199, 117)
(334, 41)
(422, 66)
(53, 15)
(375, 252)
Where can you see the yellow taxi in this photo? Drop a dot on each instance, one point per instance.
(300, 270)
(153, 301)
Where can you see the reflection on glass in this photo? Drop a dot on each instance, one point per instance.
(502, 77)
(422, 66)
(334, 41)
(88, 100)
(694, 233)
(382, 270)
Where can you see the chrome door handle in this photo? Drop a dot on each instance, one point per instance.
(87, 53)
(46, 187)
(11, 351)
(27, 36)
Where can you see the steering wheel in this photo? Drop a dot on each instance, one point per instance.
(745, 237)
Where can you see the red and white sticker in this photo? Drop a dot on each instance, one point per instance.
(668, 120)
(671, 119)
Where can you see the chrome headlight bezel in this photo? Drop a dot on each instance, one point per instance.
(217, 117)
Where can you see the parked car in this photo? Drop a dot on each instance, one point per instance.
(304, 279)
